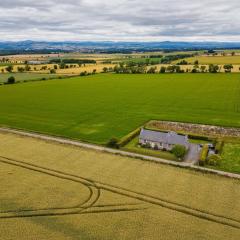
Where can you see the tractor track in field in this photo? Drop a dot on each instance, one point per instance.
(95, 193)
(96, 187)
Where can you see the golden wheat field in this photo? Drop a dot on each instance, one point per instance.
(54, 191)
(74, 69)
(215, 59)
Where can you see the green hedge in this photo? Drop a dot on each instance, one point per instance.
(214, 160)
(219, 146)
(126, 139)
(203, 155)
(198, 137)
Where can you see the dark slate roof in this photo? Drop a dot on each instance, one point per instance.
(162, 137)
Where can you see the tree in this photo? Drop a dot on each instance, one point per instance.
(213, 68)
(162, 70)
(203, 69)
(152, 70)
(170, 68)
(183, 62)
(52, 71)
(228, 68)
(196, 62)
(105, 69)
(113, 143)
(11, 80)
(27, 68)
(20, 69)
(83, 73)
(179, 151)
(62, 65)
(9, 68)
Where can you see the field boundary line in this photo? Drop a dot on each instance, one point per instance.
(118, 152)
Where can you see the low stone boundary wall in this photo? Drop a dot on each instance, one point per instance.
(195, 129)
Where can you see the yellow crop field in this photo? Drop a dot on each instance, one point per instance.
(54, 191)
(73, 69)
(215, 60)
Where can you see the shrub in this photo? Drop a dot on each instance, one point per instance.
(214, 160)
(126, 139)
(219, 146)
(52, 71)
(148, 145)
(179, 151)
(203, 155)
(9, 68)
(83, 73)
(113, 143)
(155, 147)
(162, 70)
(11, 80)
(198, 137)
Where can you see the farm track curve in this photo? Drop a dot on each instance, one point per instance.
(87, 206)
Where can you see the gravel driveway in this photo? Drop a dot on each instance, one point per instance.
(193, 154)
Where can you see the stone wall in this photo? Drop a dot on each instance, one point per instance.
(195, 129)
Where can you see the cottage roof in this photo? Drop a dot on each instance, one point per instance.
(163, 137)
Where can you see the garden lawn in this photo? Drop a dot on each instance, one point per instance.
(231, 158)
(133, 146)
(98, 107)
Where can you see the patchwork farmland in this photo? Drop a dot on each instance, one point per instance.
(99, 107)
(75, 193)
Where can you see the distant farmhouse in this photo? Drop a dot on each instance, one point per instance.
(162, 140)
(33, 62)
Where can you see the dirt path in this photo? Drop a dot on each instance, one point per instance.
(115, 151)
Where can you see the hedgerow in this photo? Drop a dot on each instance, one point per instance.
(203, 155)
(126, 139)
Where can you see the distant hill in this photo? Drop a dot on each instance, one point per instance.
(108, 46)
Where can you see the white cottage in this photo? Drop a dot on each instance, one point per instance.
(162, 140)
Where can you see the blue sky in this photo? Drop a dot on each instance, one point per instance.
(120, 20)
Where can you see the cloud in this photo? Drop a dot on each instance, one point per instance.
(152, 20)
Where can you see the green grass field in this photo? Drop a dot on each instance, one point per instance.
(55, 191)
(231, 158)
(97, 108)
(25, 76)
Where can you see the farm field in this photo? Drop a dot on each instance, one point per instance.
(231, 158)
(26, 76)
(215, 59)
(98, 107)
(54, 191)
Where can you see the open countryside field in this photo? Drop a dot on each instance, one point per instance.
(56, 191)
(74, 70)
(26, 76)
(98, 107)
(214, 60)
